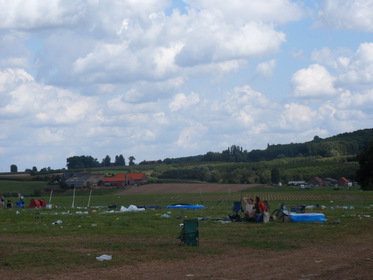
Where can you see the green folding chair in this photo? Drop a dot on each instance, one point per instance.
(190, 233)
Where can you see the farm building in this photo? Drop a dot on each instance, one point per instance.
(330, 182)
(344, 182)
(83, 180)
(316, 181)
(125, 179)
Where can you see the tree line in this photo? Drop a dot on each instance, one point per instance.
(79, 162)
(264, 172)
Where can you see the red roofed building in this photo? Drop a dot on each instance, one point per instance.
(344, 182)
(121, 180)
(136, 178)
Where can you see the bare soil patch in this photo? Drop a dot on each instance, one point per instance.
(188, 188)
(351, 259)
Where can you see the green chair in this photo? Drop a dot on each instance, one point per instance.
(190, 233)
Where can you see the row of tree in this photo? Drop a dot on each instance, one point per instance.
(266, 172)
(81, 162)
(340, 145)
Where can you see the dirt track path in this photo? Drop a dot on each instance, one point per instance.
(188, 188)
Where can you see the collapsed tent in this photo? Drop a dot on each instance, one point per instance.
(35, 203)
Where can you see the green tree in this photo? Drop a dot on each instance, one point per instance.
(365, 171)
(131, 160)
(119, 161)
(13, 168)
(106, 161)
(77, 162)
(275, 176)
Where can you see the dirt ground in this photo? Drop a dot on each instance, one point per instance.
(188, 188)
(352, 259)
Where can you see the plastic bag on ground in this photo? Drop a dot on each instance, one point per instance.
(104, 258)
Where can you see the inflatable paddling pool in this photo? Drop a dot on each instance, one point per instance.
(185, 206)
(307, 217)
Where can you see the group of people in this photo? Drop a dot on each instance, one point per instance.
(9, 203)
(258, 211)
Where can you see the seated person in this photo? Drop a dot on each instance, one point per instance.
(250, 208)
(9, 204)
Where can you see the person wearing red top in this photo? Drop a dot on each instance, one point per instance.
(266, 213)
(259, 208)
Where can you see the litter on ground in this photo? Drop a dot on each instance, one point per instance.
(104, 258)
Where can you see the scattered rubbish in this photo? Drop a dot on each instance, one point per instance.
(58, 222)
(185, 206)
(131, 208)
(150, 207)
(189, 275)
(165, 216)
(104, 258)
(366, 216)
(18, 212)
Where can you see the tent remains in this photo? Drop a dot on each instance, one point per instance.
(35, 203)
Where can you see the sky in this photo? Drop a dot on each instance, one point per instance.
(157, 79)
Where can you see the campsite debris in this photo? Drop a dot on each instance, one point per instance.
(165, 216)
(104, 258)
(131, 208)
(58, 222)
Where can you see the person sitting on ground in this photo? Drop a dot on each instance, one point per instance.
(259, 208)
(9, 204)
(266, 213)
(2, 201)
(249, 209)
(21, 200)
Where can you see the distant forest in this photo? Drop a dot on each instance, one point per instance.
(345, 144)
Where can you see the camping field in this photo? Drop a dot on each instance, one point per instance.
(63, 242)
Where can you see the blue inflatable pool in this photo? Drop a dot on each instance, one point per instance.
(185, 206)
(307, 217)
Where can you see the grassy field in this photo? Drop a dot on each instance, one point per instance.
(31, 238)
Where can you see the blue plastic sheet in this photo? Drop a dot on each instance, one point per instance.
(307, 217)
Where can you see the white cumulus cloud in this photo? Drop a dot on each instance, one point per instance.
(346, 14)
(314, 81)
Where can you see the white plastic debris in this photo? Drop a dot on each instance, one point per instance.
(58, 222)
(104, 258)
(131, 208)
